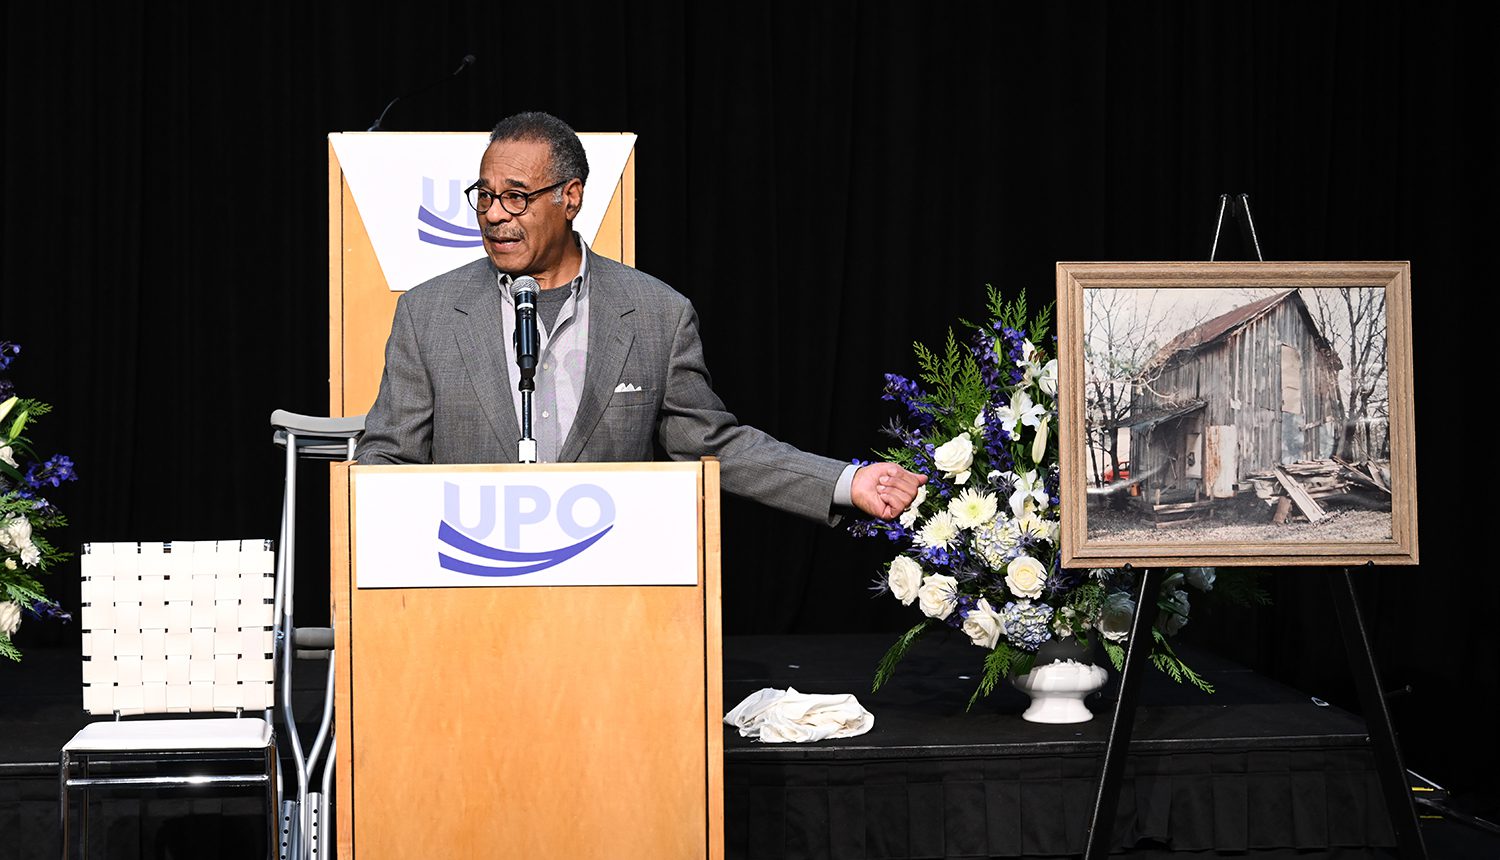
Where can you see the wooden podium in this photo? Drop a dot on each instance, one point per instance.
(529, 722)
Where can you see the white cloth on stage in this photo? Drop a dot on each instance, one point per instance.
(787, 716)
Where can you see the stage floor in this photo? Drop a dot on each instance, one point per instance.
(1255, 769)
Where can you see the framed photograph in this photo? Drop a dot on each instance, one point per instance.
(1226, 414)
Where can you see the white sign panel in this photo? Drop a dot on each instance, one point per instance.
(436, 528)
(409, 187)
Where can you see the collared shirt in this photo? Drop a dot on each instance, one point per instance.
(562, 357)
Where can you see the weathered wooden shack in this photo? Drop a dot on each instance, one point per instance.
(1234, 396)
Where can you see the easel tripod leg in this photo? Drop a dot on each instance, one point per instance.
(1393, 779)
(1107, 798)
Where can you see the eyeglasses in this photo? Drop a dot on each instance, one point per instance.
(512, 201)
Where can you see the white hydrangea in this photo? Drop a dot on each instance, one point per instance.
(996, 541)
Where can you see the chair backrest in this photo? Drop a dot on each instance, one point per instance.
(178, 627)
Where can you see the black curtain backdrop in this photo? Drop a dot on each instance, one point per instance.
(827, 183)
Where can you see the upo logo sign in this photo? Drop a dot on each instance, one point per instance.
(583, 512)
(456, 221)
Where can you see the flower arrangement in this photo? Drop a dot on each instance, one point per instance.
(24, 513)
(978, 547)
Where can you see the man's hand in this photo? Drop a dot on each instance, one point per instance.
(884, 490)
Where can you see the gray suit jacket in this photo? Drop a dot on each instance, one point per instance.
(445, 393)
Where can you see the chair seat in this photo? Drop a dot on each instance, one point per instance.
(228, 733)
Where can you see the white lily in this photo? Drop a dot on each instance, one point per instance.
(1029, 493)
(1039, 444)
(1048, 379)
(1020, 410)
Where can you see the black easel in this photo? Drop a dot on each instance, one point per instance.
(1107, 797)
(1372, 700)
(1388, 763)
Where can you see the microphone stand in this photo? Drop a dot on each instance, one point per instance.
(527, 445)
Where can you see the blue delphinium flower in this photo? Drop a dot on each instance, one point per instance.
(1014, 344)
(907, 393)
(8, 353)
(46, 609)
(57, 469)
(983, 349)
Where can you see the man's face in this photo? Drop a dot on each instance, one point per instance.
(535, 241)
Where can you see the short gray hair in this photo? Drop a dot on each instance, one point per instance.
(568, 158)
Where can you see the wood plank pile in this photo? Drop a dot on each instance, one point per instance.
(1309, 486)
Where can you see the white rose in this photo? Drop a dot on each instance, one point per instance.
(1025, 577)
(938, 596)
(10, 564)
(1174, 613)
(1048, 380)
(954, 457)
(8, 456)
(1201, 578)
(1115, 616)
(30, 555)
(914, 510)
(904, 578)
(10, 618)
(982, 625)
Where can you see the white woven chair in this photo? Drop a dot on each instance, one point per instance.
(178, 628)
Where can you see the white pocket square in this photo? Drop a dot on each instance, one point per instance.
(626, 386)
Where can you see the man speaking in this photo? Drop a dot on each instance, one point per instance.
(618, 364)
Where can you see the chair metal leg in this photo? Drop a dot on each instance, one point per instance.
(63, 799)
(273, 805)
(83, 809)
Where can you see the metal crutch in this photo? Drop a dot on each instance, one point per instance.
(304, 818)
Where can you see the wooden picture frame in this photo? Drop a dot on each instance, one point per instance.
(1265, 411)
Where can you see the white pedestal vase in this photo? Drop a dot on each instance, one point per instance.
(1062, 676)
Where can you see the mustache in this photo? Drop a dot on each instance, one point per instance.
(496, 234)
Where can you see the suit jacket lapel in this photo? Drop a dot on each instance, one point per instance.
(610, 336)
(479, 342)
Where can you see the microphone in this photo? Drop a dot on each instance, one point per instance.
(524, 291)
(467, 62)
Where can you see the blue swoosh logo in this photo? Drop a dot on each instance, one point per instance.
(470, 236)
(521, 562)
